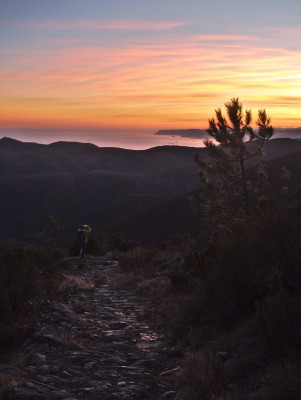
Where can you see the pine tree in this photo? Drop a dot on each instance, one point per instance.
(233, 143)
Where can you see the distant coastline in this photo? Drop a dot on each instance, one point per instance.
(126, 139)
(293, 133)
(187, 133)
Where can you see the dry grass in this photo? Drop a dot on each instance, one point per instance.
(75, 282)
(99, 279)
(68, 339)
(143, 262)
(8, 382)
(154, 285)
(201, 377)
(120, 279)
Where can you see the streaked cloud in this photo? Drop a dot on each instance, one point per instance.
(224, 38)
(291, 31)
(168, 78)
(101, 25)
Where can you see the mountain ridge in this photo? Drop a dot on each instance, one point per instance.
(105, 187)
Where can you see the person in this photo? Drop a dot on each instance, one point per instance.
(82, 233)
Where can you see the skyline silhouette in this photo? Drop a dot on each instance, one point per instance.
(124, 66)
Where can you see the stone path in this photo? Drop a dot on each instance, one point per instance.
(95, 347)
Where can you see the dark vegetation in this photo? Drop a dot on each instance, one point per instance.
(240, 307)
(230, 299)
(225, 288)
(29, 279)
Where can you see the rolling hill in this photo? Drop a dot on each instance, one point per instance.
(142, 192)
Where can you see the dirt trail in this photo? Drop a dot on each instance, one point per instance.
(94, 347)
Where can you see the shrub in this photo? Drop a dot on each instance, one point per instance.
(141, 260)
(120, 242)
(179, 277)
(25, 291)
(98, 244)
(49, 254)
(54, 232)
(246, 261)
(19, 280)
(279, 324)
(178, 243)
(281, 384)
(201, 377)
(74, 248)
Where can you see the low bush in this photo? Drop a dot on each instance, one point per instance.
(244, 262)
(19, 281)
(142, 261)
(179, 277)
(26, 287)
(280, 384)
(201, 377)
(48, 255)
(279, 324)
(99, 244)
(120, 242)
(248, 270)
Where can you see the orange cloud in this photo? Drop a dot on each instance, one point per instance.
(152, 82)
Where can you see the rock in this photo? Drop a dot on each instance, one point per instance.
(38, 359)
(171, 371)
(35, 347)
(109, 255)
(223, 355)
(48, 334)
(48, 369)
(31, 370)
(44, 370)
(56, 395)
(168, 394)
(90, 365)
(9, 370)
(66, 375)
(114, 361)
(21, 394)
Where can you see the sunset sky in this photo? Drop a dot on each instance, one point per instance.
(146, 65)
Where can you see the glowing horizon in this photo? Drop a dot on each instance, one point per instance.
(82, 68)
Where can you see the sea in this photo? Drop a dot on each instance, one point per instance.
(135, 140)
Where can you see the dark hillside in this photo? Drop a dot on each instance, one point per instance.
(30, 158)
(158, 223)
(176, 215)
(105, 187)
(292, 162)
(277, 148)
(78, 182)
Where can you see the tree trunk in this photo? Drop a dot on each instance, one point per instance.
(244, 183)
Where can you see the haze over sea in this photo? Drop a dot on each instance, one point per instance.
(126, 139)
(136, 140)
